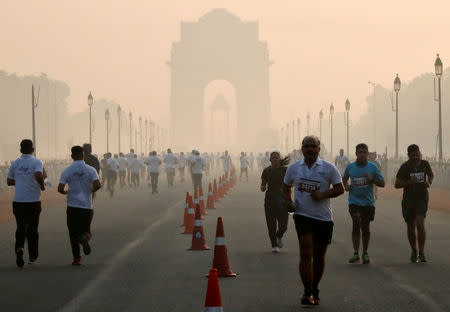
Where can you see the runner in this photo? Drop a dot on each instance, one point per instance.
(226, 162)
(170, 160)
(363, 176)
(265, 160)
(113, 168)
(123, 165)
(129, 157)
(23, 174)
(153, 163)
(313, 217)
(134, 167)
(415, 177)
(197, 167)
(181, 166)
(244, 166)
(341, 161)
(274, 202)
(83, 180)
(90, 159)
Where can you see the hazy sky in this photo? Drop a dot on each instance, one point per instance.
(323, 51)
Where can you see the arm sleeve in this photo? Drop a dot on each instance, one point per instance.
(288, 178)
(335, 176)
(38, 166)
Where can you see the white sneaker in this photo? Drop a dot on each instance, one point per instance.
(275, 250)
(279, 242)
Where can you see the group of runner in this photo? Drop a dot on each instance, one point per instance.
(315, 181)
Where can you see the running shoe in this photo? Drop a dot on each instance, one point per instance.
(413, 257)
(365, 258)
(354, 258)
(76, 261)
(32, 260)
(275, 249)
(279, 242)
(307, 300)
(421, 257)
(86, 246)
(316, 297)
(19, 257)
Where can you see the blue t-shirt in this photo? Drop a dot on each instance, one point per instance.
(361, 191)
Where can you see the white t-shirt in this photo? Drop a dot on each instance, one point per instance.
(169, 160)
(129, 156)
(135, 165)
(153, 163)
(79, 176)
(226, 162)
(341, 162)
(305, 181)
(198, 163)
(244, 162)
(181, 161)
(113, 164)
(123, 163)
(22, 170)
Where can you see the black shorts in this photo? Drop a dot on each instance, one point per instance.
(410, 208)
(367, 213)
(322, 230)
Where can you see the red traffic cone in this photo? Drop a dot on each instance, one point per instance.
(215, 192)
(202, 202)
(213, 302)
(186, 207)
(196, 201)
(190, 219)
(198, 236)
(210, 199)
(220, 261)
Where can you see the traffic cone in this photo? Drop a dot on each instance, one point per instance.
(186, 207)
(210, 199)
(220, 261)
(190, 219)
(196, 200)
(202, 202)
(198, 236)
(213, 302)
(215, 192)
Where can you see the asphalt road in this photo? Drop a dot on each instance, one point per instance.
(140, 262)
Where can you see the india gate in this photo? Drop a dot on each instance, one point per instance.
(219, 46)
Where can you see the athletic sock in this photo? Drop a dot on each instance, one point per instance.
(307, 286)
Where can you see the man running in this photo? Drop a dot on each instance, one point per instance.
(135, 166)
(415, 177)
(26, 175)
(83, 181)
(197, 167)
(226, 162)
(244, 166)
(129, 157)
(123, 165)
(311, 179)
(363, 176)
(341, 161)
(153, 163)
(181, 166)
(170, 160)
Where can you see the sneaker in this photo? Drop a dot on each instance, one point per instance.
(275, 250)
(19, 257)
(354, 258)
(421, 257)
(85, 243)
(76, 261)
(413, 257)
(279, 242)
(365, 258)
(316, 297)
(32, 260)
(307, 300)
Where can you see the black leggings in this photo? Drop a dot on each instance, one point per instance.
(79, 224)
(275, 212)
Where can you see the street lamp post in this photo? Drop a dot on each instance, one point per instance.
(331, 129)
(298, 130)
(293, 134)
(107, 129)
(90, 102)
(347, 108)
(320, 124)
(130, 116)
(287, 137)
(397, 86)
(119, 124)
(146, 136)
(140, 132)
(438, 71)
(308, 120)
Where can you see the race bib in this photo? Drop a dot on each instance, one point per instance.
(360, 182)
(308, 186)
(420, 176)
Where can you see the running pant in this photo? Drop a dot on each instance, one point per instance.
(27, 219)
(276, 212)
(154, 180)
(135, 179)
(79, 225)
(181, 171)
(170, 175)
(197, 180)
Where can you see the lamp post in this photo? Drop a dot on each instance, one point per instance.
(308, 120)
(287, 137)
(397, 86)
(293, 134)
(107, 129)
(374, 85)
(347, 108)
(146, 136)
(90, 103)
(320, 124)
(438, 71)
(331, 128)
(119, 124)
(140, 132)
(130, 116)
(298, 129)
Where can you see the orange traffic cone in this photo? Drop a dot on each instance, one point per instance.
(215, 192)
(186, 207)
(190, 219)
(213, 302)
(220, 261)
(210, 199)
(202, 202)
(198, 236)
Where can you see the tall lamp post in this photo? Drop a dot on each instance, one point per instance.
(331, 129)
(438, 71)
(298, 131)
(397, 86)
(107, 129)
(320, 124)
(130, 116)
(347, 108)
(146, 136)
(90, 102)
(287, 137)
(308, 122)
(293, 134)
(119, 124)
(140, 132)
